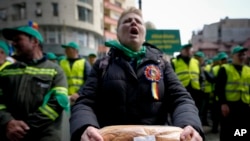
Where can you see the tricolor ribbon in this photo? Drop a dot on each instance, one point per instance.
(153, 73)
(154, 89)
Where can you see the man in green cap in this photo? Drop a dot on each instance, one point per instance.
(188, 71)
(220, 60)
(33, 91)
(4, 53)
(232, 87)
(206, 86)
(51, 56)
(92, 58)
(75, 68)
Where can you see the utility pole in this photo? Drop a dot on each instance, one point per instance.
(139, 1)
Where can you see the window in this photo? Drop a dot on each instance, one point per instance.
(3, 14)
(85, 14)
(38, 11)
(90, 2)
(19, 11)
(118, 4)
(55, 9)
(53, 35)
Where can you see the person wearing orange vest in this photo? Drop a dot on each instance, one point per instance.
(75, 68)
(188, 71)
(232, 87)
(4, 52)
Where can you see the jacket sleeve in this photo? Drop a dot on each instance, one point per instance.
(220, 85)
(54, 102)
(181, 105)
(82, 112)
(5, 116)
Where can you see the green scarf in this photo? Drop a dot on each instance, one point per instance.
(132, 54)
(61, 99)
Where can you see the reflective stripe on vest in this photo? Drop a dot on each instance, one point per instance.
(187, 73)
(208, 85)
(2, 107)
(237, 87)
(49, 112)
(6, 63)
(74, 74)
(30, 71)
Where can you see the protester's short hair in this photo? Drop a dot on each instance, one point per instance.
(129, 10)
(92, 55)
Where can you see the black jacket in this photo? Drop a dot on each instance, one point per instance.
(124, 96)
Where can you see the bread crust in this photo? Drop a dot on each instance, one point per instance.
(128, 132)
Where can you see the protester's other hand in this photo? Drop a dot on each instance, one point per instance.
(73, 98)
(190, 134)
(225, 110)
(16, 130)
(91, 134)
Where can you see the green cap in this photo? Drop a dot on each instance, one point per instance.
(4, 47)
(199, 54)
(186, 46)
(61, 57)
(215, 58)
(51, 56)
(71, 45)
(9, 33)
(238, 49)
(222, 55)
(92, 55)
(209, 61)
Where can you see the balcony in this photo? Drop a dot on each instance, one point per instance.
(109, 20)
(109, 35)
(113, 7)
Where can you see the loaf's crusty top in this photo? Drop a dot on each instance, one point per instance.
(128, 132)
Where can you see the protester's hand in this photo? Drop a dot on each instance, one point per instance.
(91, 134)
(16, 130)
(225, 110)
(190, 134)
(73, 98)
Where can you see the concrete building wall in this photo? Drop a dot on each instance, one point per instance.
(222, 36)
(210, 32)
(61, 26)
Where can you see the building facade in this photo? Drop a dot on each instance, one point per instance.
(112, 11)
(62, 21)
(222, 36)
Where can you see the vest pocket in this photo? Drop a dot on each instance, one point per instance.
(40, 85)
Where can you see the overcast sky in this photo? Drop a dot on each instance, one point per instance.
(192, 15)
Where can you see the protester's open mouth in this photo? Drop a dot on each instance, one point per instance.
(134, 31)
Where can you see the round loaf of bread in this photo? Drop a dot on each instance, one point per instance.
(140, 133)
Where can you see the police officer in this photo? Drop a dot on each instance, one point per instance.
(232, 87)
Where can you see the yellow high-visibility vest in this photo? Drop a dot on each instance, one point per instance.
(215, 70)
(74, 74)
(208, 85)
(188, 73)
(6, 63)
(237, 86)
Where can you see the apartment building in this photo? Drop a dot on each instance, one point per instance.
(222, 36)
(112, 11)
(87, 22)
